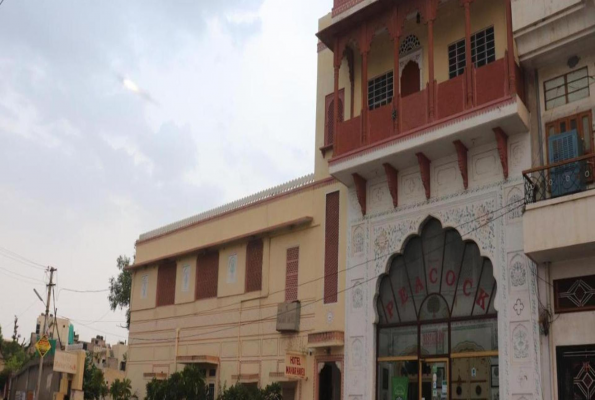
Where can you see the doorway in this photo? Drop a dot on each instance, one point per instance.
(576, 372)
(410, 67)
(434, 379)
(329, 382)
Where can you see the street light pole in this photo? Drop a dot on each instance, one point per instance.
(45, 327)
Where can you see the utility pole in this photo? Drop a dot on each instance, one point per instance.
(45, 327)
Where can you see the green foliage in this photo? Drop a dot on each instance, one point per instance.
(119, 288)
(94, 385)
(15, 356)
(121, 390)
(188, 384)
(244, 392)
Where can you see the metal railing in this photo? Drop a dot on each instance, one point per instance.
(559, 179)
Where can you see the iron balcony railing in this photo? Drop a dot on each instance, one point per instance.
(559, 179)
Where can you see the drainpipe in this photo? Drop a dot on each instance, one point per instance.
(176, 351)
(539, 124)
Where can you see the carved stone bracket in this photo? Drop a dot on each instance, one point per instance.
(360, 189)
(424, 167)
(462, 154)
(392, 176)
(502, 140)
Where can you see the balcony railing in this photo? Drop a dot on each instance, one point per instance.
(490, 84)
(560, 179)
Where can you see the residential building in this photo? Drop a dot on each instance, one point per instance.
(428, 125)
(556, 46)
(251, 292)
(58, 329)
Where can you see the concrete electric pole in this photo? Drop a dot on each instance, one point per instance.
(45, 327)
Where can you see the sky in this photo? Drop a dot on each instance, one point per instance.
(118, 117)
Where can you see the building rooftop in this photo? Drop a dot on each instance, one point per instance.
(243, 202)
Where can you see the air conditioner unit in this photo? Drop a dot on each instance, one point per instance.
(568, 178)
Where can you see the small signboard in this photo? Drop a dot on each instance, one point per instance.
(65, 362)
(43, 346)
(288, 317)
(295, 365)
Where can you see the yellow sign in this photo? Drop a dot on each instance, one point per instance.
(295, 365)
(65, 362)
(43, 345)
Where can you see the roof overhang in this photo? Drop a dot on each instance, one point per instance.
(306, 220)
(200, 359)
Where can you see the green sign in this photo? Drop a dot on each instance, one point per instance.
(400, 387)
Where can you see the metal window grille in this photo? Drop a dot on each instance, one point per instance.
(380, 90)
(483, 52)
(291, 275)
(567, 88)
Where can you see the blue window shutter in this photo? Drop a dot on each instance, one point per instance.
(564, 146)
(567, 178)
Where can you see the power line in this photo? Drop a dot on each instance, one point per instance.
(26, 262)
(157, 340)
(203, 312)
(28, 281)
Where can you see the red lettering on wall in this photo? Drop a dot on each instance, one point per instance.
(418, 285)
(433, 277)
(389, 309)
(467, 284)
(403, 295)
(481, 299)
(450, 278)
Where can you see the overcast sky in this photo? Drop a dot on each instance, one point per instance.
(225, 108)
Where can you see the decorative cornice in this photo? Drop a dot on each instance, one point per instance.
(321, 47)
(331, 338)
(345, 6)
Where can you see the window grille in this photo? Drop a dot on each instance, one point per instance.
(483, 52)
(409, 44)
(291, 274)
(567, 88)
(380, 90)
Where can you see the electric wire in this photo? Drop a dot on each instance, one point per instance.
(17, 257)
(375, 277)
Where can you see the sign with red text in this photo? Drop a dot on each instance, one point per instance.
(65, 362)
(295, 365)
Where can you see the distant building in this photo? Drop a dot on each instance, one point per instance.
(58, 328)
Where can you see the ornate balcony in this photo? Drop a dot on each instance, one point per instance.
(559, 218)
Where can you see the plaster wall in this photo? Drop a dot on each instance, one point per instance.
(487, 213)
(224, 327)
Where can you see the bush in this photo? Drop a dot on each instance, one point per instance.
(188, 384)
(244, 392)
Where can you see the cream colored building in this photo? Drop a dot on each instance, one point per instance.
(58, 328)
(220, 290)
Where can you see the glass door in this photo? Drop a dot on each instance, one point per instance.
(433, 383)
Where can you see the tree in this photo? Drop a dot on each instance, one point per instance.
(94, 385)
(188, 385)
(15, 356)
(243, 392)
(120, 287)
(121, 390)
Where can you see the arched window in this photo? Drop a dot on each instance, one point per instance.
(437, 328)
(409, 44)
